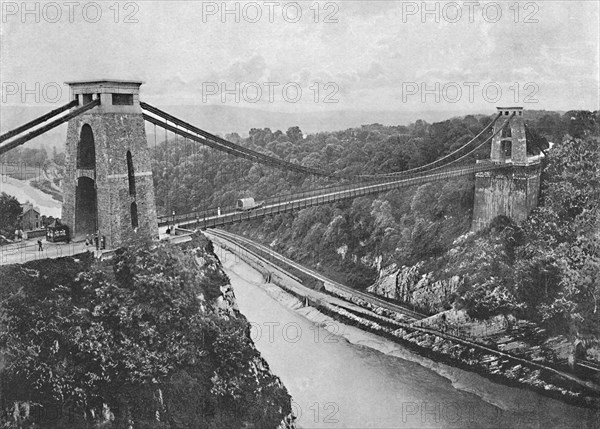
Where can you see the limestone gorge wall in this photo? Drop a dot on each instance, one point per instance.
(435, 284)
(226, 304)
(407, 284)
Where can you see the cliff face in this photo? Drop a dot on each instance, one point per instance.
(226, 305)
(151, 337)
(408, 285)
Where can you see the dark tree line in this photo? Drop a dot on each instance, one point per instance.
(531, 270)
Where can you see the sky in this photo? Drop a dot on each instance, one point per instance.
(314, 56)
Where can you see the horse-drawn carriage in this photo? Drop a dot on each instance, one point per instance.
(245, 204)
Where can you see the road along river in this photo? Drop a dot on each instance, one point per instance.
(342, 377)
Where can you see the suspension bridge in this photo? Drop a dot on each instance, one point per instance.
(109, 189)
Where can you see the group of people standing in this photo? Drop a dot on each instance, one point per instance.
(89, 241)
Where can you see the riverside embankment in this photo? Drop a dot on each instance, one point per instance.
(502, 406)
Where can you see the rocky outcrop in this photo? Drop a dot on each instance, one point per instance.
(410, 286)
(227, 306)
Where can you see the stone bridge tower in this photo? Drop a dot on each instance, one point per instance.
(108, 186)
(512, 191)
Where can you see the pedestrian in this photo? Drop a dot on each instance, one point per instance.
(40, 248)
(87, 240)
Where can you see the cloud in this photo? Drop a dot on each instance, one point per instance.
(369, 52)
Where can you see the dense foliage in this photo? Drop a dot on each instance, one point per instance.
(189, 177)
(561, 243)
(10, 209)
(545, 270)
(149, 339)
(406, 224)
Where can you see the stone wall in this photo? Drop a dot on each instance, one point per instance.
(512, 192)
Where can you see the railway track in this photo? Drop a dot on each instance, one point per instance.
(495, 354)
(365, 296)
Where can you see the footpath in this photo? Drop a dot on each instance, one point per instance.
(28, 250)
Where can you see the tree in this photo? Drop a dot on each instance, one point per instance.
(60, 158)
(233, 137)
(137, 338)
(562, 241)
(575, 309)
(580, 123)
(572, 177)
(10, 209)
(294, 134)
(491, 299)
(260, 137)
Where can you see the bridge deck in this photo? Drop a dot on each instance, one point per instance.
(228, 215)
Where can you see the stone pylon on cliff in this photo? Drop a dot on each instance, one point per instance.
(513, 191)
(108, 187)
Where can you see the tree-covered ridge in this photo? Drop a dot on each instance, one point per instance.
(152, 339)
(189, 177)
(561, 240)
(354, 238)
(545, 270)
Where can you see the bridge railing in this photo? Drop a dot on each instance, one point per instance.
(216, 211)
(224, 210)
(165, 220)
(352, 185)
(284, 203)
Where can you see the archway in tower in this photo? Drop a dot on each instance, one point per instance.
(86, 149)
(86, 212)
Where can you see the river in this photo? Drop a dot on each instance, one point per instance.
(370, 382)
(23, 191)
